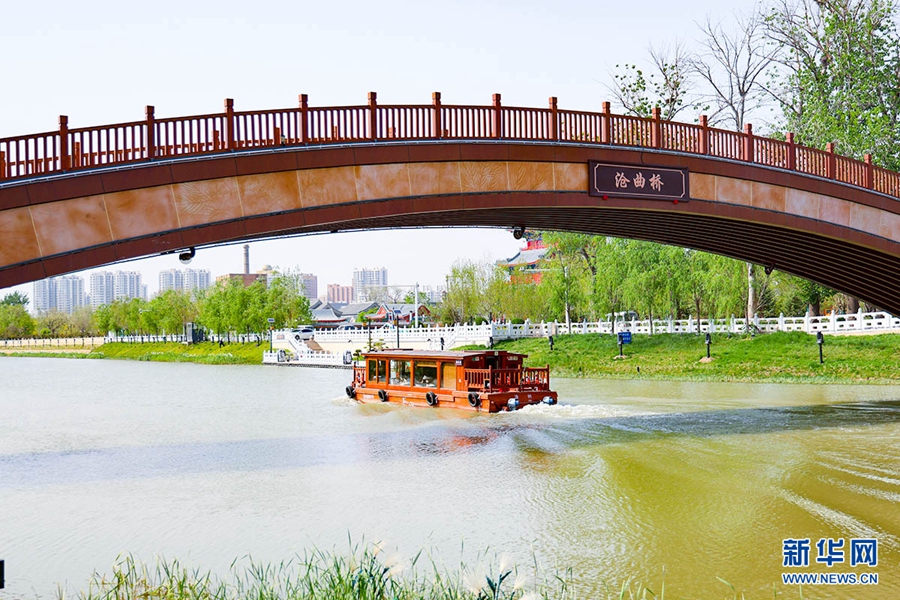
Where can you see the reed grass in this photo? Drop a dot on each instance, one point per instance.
(363, 573)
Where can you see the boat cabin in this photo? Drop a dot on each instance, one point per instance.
(483, 380)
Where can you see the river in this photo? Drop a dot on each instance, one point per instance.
(681, 482)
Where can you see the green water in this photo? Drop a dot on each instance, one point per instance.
(681, 482)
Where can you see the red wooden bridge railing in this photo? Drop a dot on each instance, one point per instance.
(68, 149)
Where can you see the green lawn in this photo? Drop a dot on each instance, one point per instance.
(775, 357)
(205, 352)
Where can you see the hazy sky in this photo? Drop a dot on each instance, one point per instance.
(102, 61)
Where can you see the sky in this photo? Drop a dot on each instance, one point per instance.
(102, 62)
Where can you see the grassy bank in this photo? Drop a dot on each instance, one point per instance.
(205, 353)
(774, 357)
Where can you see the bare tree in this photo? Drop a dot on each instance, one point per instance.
(668, 85)
(732, 66)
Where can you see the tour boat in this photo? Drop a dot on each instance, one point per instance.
(480, 380)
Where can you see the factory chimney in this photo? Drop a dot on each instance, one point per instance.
(247, 259)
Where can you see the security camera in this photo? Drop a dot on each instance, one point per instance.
(185, 257)
(518, 232)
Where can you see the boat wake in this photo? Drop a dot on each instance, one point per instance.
(344, 401)
(579, 411)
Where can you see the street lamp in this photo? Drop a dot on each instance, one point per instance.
(566, 278)
(271, 330)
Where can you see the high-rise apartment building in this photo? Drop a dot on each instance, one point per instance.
(103, 288)
(186, 280)
(339, 293)
(64, 294)
(69, 293)
(310, 285)
(44, 297)
(197, 279)
(171, 279)
(128, 285)
(434, 293)
(365, 279)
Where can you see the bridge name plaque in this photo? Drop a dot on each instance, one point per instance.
(638, 181)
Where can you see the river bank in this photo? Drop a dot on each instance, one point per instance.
(769, 358)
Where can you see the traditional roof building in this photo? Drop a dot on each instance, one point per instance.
(333, 314)
(403, 313)
(525, 267)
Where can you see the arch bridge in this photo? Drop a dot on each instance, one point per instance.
(76, 198)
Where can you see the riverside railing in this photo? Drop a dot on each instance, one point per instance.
(66, 150)
(458, 335)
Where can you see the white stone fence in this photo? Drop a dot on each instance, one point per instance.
(461, 335)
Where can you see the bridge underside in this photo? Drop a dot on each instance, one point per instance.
(837, 235)
(868, 274)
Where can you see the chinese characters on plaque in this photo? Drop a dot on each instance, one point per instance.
(645, 182)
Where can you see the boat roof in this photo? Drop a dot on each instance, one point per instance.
(402, 352)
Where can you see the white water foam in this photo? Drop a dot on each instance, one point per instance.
(580, 411)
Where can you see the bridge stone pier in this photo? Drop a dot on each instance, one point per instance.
(75, 199)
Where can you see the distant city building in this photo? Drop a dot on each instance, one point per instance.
(339, 293)
(64, 294)
(186, 281)
(44, 297)
(366, 279)
(171, 279)
(128, 285)
(197, 279)
(248, 278)
(103, 288)
(434, 293)
(310, 285)
(269, 271)
(69, 293)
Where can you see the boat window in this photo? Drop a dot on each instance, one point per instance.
(400, 372)
(377, 370)
(426, 374)
(448, 375)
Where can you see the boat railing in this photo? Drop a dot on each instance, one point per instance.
(535, 378)
(526, 379)
(359, 376)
